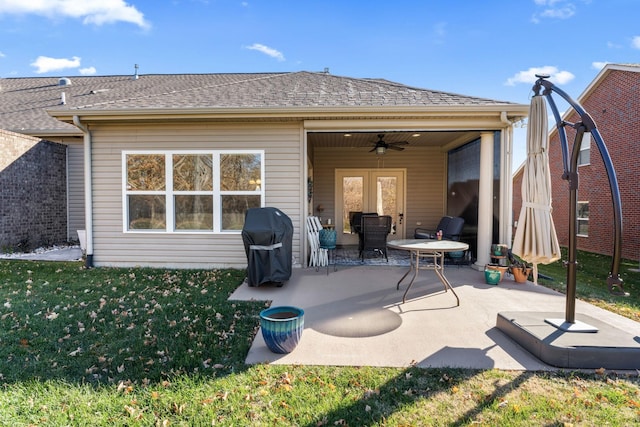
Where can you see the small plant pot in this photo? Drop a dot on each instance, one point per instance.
(492, 277)
(499, 250)
(282, 328)
(456, 254)
(502, 269)
(520, 275)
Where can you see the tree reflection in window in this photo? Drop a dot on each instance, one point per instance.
(240, 172)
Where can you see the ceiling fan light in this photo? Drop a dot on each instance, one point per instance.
(380, 150)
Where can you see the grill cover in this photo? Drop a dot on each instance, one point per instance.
(267, 235)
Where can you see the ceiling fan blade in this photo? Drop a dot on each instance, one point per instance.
(393, 147)
(373, 149)
(398, 143)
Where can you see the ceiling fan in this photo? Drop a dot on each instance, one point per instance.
(381, 147)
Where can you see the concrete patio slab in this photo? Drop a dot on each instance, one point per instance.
(355, 317)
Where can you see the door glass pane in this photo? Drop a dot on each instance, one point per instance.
(352, 199)
(387, 198)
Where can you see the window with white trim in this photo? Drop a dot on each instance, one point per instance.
(190, 191)
(583, 219)
(584, 158)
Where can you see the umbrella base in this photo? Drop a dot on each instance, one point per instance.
(577, 326)
(609, 347)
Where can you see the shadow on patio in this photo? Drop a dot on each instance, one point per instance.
(355, 317)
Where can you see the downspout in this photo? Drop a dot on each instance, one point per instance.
(66, 166)
(506, 199)
(88, 193)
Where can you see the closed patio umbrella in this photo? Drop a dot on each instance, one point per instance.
(536, 240)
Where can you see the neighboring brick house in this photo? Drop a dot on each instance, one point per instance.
(612, 101)
(33, 209)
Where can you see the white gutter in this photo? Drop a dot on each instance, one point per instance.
(88, 193)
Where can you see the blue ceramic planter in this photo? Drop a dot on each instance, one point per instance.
(328, 238)
(282, 327)
(492, 277)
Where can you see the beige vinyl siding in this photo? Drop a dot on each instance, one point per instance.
(75, 186)
(283, 183)
(425, 183)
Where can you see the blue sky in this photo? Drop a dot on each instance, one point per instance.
(489, 48)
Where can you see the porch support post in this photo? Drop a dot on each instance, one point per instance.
(485, 200)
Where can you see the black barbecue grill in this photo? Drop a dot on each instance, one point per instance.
(267, 235)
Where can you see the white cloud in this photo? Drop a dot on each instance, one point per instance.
(44, 64)
(267, 51)
(2, 55)
(89, 71)
(96, 12)
(635, 43)
(554, 9)
(599, 65)
(529, 76)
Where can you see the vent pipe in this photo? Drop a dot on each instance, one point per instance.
(63, 98)
(135, 75)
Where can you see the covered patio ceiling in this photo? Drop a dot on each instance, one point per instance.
(445, 139)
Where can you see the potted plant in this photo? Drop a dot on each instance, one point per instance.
(282, 327)
(492, 277)
(519, 268)
(501, 269)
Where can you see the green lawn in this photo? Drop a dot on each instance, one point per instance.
(591, 279)
(153, 347)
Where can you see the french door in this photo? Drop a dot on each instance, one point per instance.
(369, 190)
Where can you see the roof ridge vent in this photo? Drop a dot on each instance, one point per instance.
(64, 81)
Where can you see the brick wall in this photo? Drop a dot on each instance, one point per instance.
(32, 192)
(517, 197)
(615, 106)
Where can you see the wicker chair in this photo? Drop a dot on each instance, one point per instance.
(374, 234)
(451, 229)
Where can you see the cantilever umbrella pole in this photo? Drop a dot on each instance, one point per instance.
(587, 124)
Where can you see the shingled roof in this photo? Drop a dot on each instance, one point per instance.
(24, 102)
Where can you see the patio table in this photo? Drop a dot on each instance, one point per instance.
(427, 248)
